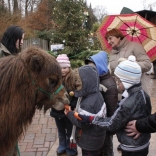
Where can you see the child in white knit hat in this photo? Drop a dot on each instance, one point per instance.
(64, 125)
(137, 105)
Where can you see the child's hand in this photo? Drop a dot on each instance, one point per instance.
(67, 110)
(67, 107)
(85, 118)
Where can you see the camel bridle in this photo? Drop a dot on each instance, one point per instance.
(41, 89)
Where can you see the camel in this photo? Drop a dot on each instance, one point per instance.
(28, 81)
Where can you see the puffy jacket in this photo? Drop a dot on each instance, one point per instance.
(88, 136)
(127, 48)
(111, 95)
(137, 105)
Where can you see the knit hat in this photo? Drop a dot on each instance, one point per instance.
(129, 72)
(63, 60)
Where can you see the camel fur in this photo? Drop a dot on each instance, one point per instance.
(25, 80)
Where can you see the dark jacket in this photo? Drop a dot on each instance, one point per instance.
(89, 137)
(111, 95)
(147, 125)
(137, 105)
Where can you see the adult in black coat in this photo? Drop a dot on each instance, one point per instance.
(144, 125)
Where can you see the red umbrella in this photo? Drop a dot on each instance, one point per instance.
(134, 27)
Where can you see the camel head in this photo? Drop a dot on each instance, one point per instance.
(45, 75)
(30, 80)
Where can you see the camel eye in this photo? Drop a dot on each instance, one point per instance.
(52, 82)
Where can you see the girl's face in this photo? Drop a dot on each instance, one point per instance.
(19, 45)
(120, 86)
(65, 71)
(113, 41)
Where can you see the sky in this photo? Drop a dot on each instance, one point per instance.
(115, 6)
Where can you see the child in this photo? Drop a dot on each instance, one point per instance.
(63, 123)
(137, 105)
(100, 60)
(89, 138)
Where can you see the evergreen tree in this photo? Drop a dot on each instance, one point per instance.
(69, 17)
(92, 18)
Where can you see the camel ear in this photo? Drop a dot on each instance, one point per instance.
(36, 63)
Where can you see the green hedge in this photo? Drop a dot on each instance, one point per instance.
(77, 60)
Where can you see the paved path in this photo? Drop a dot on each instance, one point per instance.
(41, 137)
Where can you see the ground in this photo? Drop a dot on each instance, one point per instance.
(41, 137)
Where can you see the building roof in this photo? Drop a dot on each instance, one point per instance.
(146, 13)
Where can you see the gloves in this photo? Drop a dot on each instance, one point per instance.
(102, 88)
(85, 118)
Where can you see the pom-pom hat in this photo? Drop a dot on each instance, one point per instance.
(129, 72)
(63, 60)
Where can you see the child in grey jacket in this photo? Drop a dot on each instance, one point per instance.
(89, 138)
(137, 105)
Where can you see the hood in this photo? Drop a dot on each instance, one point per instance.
(4, 49)
(90, 81)
(101, 61)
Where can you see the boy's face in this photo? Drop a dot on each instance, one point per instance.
(120, 86)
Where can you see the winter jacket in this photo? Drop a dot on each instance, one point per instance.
(4, 51)
(111, 95)
(137, 105)
(147, 125)
(127, 48)
(88, 136)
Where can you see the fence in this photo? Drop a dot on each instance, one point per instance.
(35, 42)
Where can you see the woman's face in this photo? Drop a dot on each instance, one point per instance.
(65, 71)
(113, 41)
(19, 45)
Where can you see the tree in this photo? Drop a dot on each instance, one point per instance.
(91, 17)
(69, 17)
(41, 20)
(100, 12)
(15, 7)
(3, 9)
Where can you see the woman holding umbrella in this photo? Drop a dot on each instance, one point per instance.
(122, 48)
